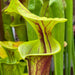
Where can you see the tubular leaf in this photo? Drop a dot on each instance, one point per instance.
(10, 59)
(11, 50)
(8, 34)
(41, 49)
(69, 36)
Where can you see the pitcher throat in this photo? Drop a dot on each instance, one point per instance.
(39, 65)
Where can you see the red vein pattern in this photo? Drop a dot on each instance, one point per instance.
(47, 36)
(41, 34)
(39, 65)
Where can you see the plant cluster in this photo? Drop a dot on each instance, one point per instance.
(36, 34)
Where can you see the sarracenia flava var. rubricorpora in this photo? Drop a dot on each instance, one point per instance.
(39, 52)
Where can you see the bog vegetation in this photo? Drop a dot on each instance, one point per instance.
(41, 27)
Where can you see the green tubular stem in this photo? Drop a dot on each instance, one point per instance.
(20, 27)
(20, 24)
(58, 11)
(65, 61)
(45, 9)
(73, 56)
(11, 65)
(8, 32)
(11, 69)
(21, 32)
(69, 31)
